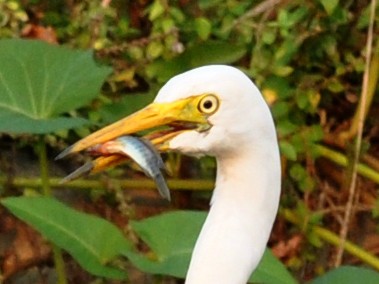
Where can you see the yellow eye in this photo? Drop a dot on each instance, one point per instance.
(208, 104)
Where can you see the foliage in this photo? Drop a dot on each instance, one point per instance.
(349, 274)
(12, 17)
(95, 249)
(39, 82)
(307, 57)
(73, 231)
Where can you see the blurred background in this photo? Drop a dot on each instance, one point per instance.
(315, 62)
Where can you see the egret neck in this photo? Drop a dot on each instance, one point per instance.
(243, 209)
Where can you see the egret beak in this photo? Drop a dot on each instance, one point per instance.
(177, 117)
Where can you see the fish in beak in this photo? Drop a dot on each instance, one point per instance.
(160, 122)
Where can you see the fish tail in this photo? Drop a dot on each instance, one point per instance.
(163, 189)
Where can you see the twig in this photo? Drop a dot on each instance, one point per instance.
(357, 150)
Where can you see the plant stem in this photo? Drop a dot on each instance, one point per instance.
(174, 184)
(334, 239)
(45, 185)
(342, 160)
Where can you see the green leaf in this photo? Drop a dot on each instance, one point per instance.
(25, 124)
(329, 5)
(39, 82)
(172, 236)
(288, 150)
(155, 10)
(348, 275)
(271, 270)
(203, 27)
(92, 241)
(154, 49)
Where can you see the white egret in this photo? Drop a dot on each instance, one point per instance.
(217, 110)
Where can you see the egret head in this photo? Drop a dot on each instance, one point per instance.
(230, 103)
(210, 110)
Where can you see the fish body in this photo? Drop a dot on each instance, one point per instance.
(143, 153)
(116, 151)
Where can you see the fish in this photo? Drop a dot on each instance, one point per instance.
(138, 149)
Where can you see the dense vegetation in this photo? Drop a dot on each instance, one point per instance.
(316, 63)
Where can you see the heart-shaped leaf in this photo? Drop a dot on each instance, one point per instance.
(92, 241)
(172, 236)
(40, 81)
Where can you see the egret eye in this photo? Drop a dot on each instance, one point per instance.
(209, 104)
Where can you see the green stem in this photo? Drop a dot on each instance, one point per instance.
(174, 184)
(45, 185)
(342, 160)
(334, 239)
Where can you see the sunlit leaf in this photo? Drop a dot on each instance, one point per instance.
(92, 241)
(329, 5)
(203, 27)
(39, 82)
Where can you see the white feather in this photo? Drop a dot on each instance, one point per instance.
(246, 196)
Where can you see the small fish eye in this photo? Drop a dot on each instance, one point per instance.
(209, 104)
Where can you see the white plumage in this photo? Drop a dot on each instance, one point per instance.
(246, 196)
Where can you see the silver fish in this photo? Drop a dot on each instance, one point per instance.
(139, 150)
(145, 155)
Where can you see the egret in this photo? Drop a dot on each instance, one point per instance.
(218, 111)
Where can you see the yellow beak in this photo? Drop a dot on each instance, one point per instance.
(178, 116)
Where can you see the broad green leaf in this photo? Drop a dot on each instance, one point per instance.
(25, 124)
(40, 81)
(172, 236)
(348, 275)
(271, 270)
(92, 241)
